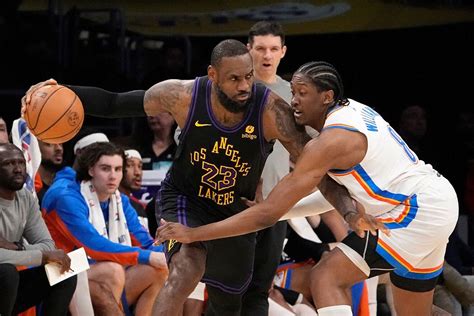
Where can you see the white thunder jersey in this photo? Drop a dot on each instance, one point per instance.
(410, 197)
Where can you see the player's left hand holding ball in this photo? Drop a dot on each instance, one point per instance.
(26, 99)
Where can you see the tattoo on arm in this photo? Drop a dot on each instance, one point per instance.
(294, 135)
(166, 95)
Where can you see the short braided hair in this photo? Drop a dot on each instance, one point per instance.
(325, 77)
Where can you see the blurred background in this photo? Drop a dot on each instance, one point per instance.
(410, 60)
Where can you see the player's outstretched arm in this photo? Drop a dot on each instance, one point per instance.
(167, 96)
(287, 192)
(334, 149)
(309, 170)
(97, 101)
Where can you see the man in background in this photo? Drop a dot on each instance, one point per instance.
(132, 181)
(21, 221)
(51, 162)
(266, 44)
(3, 131)
(85, 209)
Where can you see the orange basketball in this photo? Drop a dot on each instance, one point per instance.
(54, 114)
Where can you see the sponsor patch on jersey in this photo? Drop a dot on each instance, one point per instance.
(249, 132)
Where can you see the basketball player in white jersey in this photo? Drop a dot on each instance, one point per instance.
(409, 209)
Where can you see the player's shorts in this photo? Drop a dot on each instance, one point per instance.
(229, 261)
(419, 231)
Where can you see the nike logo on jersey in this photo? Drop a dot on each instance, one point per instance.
(197, 124)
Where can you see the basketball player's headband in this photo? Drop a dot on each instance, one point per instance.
(132, 153)
(90, 139)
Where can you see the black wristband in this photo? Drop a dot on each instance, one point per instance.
(19, 245)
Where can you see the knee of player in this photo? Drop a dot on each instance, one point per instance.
(190, 261)
(184, 276)
(191, 275)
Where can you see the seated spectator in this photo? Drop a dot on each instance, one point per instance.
(51, 162)
(79, 146)
(155, 141)
(132, 181)
(3, 131)
(87, 210)
(25, 241)
(455, 291)
(85, 141)
(153, 138)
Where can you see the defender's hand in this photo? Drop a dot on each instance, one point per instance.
(361, 222)
(176, 231)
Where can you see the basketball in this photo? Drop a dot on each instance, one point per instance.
(54, 114)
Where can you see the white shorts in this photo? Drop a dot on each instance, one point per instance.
(419, 232)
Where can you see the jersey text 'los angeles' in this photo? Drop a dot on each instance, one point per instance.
(216, 165)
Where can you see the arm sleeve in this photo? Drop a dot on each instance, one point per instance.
(21, 258)
(140, 237)
(103, 103)
(73, 223)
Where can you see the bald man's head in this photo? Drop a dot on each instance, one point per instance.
(12, 167)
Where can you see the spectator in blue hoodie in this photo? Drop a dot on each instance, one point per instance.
(87, 210)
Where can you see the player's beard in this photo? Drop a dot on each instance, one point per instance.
(51, 166)
(229, 104)
(11, 184)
